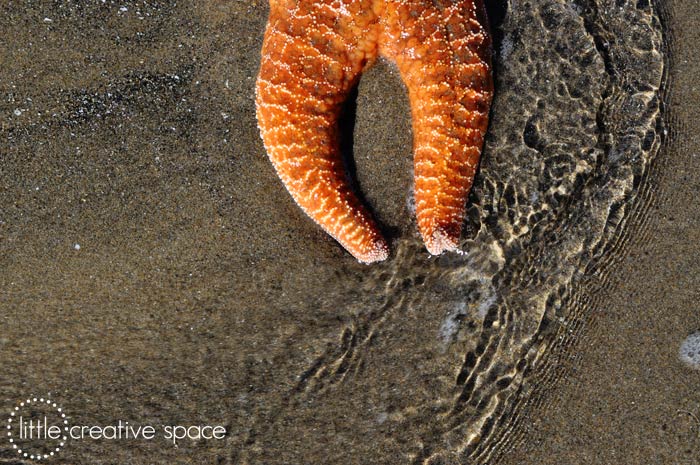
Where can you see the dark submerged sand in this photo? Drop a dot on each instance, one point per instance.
(200, 295)
(627, 397)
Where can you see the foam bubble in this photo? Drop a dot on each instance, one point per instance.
(689, 352)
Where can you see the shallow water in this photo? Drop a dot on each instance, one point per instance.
(201, 292)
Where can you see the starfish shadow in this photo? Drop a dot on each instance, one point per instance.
(346, 126)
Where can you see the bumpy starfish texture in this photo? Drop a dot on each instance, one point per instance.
(313, 54)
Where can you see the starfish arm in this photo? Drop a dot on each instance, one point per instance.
(312, 55)
(443, 55)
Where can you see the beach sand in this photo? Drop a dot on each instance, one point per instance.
(627, 398)
(155, 270)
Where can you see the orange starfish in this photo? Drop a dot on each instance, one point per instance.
(312, 56)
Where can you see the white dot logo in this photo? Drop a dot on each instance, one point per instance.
(37, 428)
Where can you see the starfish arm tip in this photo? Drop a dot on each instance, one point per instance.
(440, 241)
(378, 253)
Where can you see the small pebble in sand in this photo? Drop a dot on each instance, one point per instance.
(689, 352)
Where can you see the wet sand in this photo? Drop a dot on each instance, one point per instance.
(156, 271)
(627, 398)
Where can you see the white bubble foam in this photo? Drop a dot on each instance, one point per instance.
(689, 352)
